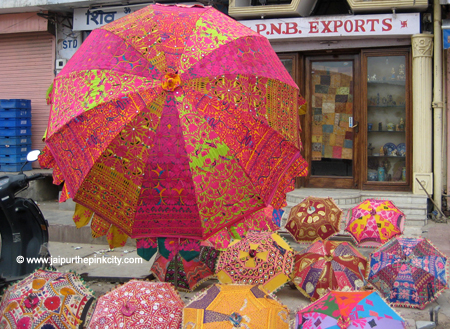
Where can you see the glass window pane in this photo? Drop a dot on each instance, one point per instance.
(332, 106)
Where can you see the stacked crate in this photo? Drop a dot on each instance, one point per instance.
(15, 134)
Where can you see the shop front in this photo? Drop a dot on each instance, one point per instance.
(356, 74)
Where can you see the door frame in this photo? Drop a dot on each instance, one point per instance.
(354, 181)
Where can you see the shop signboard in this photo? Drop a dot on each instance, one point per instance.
(382, 25)
(85, 19)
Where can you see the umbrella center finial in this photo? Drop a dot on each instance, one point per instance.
(128, 309)
(252, 253)
(31, 301)
(170, 81)
(343, 322)
(373, 212)
(236, 319)
(311, 209)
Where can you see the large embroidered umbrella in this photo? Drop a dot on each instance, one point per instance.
(263, 220)
(314, 218)
(174, 121)
(373, 222)
(182, 262)
(263, 258)
(351, 309)
(139, 304)
(47, 300)
(329, 265)
(235, 306)
(409, 271)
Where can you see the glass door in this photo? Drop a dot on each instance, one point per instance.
(333, 124)
(388, 120)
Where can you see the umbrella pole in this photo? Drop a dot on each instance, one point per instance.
(175, 276)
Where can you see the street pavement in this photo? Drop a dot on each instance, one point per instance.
(102, 277)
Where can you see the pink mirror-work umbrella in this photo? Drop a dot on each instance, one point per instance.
(139, 304)
(373, 222)
(173, 121)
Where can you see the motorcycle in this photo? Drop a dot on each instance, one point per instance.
(23, 228)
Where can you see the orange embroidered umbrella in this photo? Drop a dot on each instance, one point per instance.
(314, 218)
(235, 306)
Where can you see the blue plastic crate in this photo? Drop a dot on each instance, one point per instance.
(15, 113)
(15, 103)
(8, 167)
(24, 131)
(17, 158)
(16, 140)
(15, 150)
(15, 122)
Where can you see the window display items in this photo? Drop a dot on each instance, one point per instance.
(381, 174)
(401, 125)
(390, 126)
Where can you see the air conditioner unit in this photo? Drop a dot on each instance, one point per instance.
(60, 63)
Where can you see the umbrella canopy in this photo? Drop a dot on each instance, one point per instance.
(263, 220)
(351, 309)
(235, 306)
(263, 258)
(409, 271)
(182, 262)
(329, 265)
(47, 300)
(373, 222)
(139, 304)
(314, 218)
(174, 121)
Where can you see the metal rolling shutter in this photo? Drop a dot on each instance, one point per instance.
(26, 72)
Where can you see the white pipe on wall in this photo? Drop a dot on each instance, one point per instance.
(437, 105)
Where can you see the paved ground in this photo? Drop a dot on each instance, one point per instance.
(438, 233)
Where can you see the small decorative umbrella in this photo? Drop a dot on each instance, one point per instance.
(373, 222)
(260, 258)
(409, 272)
(182, 262)
(174, 121)
(329, 265)
(349, 309)
(47, 300)
(314, 218)
(139, 304)
(235, 306)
